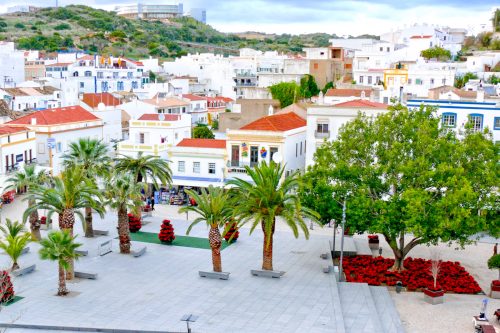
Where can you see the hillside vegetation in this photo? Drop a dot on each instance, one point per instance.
(94, 30)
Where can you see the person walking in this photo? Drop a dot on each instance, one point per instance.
(152, 202)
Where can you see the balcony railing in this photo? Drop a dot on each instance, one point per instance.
(322, 134)
(239, 167)
(245, 84)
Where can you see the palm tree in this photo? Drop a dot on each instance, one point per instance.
(123, 194)
(71, 192)
(92, 156)
(15, 240)
(146, 169)
(269, 195)
(215, 209)
(29, 177)
(60, 246)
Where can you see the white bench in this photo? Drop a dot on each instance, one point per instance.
(82, 252)
(139, 253)
(101, 232)
(84, 275)
(215, 275)
(104, 248)
(266, 273)
(23, 271)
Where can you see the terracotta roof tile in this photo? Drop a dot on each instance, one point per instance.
(5, 129)
(155, 117)
(278, 122)
(70, 114)
(361, 103)
(165, 102)
(192, 97)
(203, 143)
(347, 92)
(93, 100)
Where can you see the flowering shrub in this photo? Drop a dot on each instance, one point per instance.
(43, 220)
(233, 230)
(146, 208)
(6, 287)
(166, 234)
(416, 276)
(134, 223)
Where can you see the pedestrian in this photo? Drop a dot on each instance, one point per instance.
(152, 202)
(495, 248)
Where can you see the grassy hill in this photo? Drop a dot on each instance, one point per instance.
(95, 30)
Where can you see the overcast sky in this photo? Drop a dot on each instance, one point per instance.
(353, 17)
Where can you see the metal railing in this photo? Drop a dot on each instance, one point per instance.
(322, 134)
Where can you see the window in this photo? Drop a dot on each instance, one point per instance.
(254, 155)
(369, 80)
(476, 121)
(196, 167)
(443, 81)
(120, 86)
(409, 81)
(361, 79)
(115, 75)
(41, 148)
(181, 166)
(432, 81)
(272, 151)
(296, 149)
(141, 137)
(388, 49)
(381, 49)
(59, 147)
(211, 168)
(82, 85)
(88, 73)
(129, 75)
(449, 119)
(104, 86)
(134, 85)
(322, 128)
(100, 75)
(496, 123)
(316, 65)
(301, 148)
(419, 81)
(378, 79)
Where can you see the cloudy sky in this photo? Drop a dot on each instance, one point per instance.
(342, 17)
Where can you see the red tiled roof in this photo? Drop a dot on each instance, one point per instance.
(202, 143)
(155, 117)
(70, 114)
(93, 100)
(347, 92)
(86, 57)
(220, 98)
(278, 122)
(9, 130)
(194, 97)
(420, 37)
(361, 103)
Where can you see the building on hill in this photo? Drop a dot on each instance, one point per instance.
(31, 98)
(157, 105)
(56, 128)
(106, 107)
(217, 105)
(199, 14)
(453, 94)
(198, 108)
(245, 111)
(150, 11)
(11, 65)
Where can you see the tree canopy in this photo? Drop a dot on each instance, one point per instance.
(409, 179)
(461, 81)
(286, 92)
(202, 132)
(436, 52)
(308, 86)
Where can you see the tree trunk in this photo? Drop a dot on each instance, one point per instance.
(66, 223)
(89, 231)
(61, 291)
(215, 243)
(267, 261)
(15, 266)
(401, 250)
(34, 222)
(123, 230)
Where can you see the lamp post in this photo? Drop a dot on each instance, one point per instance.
(342, 243)
(333, 240)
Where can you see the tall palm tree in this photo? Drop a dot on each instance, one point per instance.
(28, 177)
(146, 169)
(60, 246)
(267, 196)
(123, 194)
(92, 156)
(214, 207)
(71, 192)
(15, 240)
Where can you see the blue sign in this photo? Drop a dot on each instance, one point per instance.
(19, 158)
(51, 143)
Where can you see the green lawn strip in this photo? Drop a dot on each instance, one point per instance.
(12, 301)
(185, 241)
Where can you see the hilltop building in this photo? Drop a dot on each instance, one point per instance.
(150, 11)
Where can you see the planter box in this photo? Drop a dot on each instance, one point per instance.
(433, 297)
(495, 291)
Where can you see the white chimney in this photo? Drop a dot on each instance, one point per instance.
(480, 95)
(33, 121)
(270, 111)
(321, 98)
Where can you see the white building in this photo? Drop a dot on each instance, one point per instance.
(198, 108)
(150, 11)
(36, 98)
(324, 122)
(154, 133)
(11, 65)
(199, 14)
(198, 162)
(282, 134)
(106, 107)
(56, 129)
(456, 114)
(166, 105)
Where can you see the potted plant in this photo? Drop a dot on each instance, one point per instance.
(166, 234)
(494, 263)
(373, 242)
(434, 294)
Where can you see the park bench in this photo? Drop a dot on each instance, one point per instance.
(101, 232)
(139, 253)
(214, 275)
(23, 271)
(84, 275)
(266, 273)
(104, 248)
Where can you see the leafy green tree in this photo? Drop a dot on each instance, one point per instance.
(268, 196)
(286, 92)
(308, 87)
(123, 194)
(202, 132)
(27, 178)
(60, 246)
(315, 192)
(436, 52)
(328, 85)
(92, 156)
(461, 81)
(494, 79)
(406, 177)
(214, 207)
(494, 263)
(215, 124)
(15, 239)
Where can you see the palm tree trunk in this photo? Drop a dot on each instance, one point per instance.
(89, 231)
(61, 291)
(66, 222)
(123, 230)
(215, 241)
(34, 222)
(15, 266)
(267, 252)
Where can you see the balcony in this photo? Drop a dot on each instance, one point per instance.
(147, 149)
(245, 84)
(244, 75)
(238, 166)
(322, 134)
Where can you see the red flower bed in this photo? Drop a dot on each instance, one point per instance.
(43, 220)
(134, 223)
(416, 276)
(6, 287)
(495, 285)
(232, 232)
(166, 234)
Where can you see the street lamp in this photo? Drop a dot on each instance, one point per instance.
(189, 318)
(342, 243)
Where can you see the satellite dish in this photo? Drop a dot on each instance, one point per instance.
(101, 106)
(161, 117)
(277, 158)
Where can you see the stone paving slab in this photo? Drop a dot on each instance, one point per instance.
(386, 310)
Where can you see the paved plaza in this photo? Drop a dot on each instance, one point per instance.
(154, 291)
